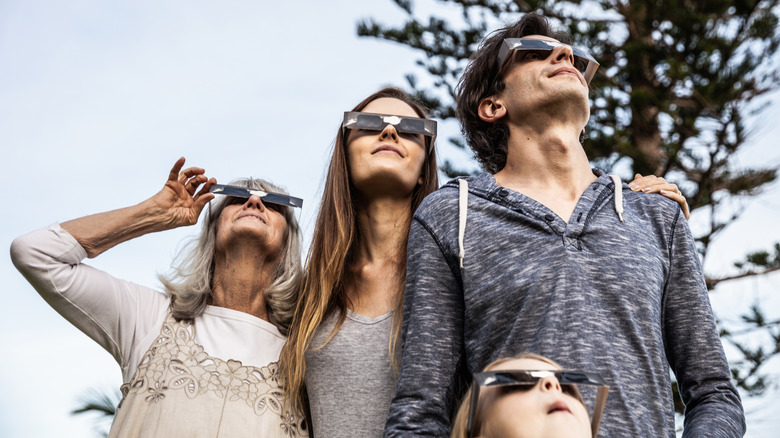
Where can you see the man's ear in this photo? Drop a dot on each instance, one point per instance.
(491, 109)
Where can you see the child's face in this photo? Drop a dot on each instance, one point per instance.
(541, 411)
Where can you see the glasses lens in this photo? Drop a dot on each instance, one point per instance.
(580, 63)
(571, 389)
(416, 126)
(372, 122)
(230, 200)
(535, 54)
(513, 389)
(275, 207)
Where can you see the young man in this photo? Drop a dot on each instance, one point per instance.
(548, 256)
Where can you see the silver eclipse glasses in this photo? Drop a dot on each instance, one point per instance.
(489, 386)
(378, 122)
(269, 197)
(583, 61)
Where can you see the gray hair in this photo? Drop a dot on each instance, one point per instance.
(189, 285)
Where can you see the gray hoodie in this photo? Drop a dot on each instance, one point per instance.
(622, 298)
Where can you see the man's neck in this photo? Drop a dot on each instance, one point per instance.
(547, 165)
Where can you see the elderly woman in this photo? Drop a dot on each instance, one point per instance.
(201, 359)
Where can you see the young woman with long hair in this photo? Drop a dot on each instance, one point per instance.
(344, 337)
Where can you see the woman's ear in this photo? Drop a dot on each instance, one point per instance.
(491, 109)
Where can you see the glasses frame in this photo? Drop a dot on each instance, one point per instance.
(270, 197)
(493, 379)
(511, 45)
(352, 120)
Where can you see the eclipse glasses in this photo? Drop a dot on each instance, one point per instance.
(583, 61)
(378, 122)
(243, 192)
(491, 385)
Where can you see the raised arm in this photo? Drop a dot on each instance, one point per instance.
(656, 184)
(115, 313)
(176, 205)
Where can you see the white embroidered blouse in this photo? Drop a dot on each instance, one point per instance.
(215, 377)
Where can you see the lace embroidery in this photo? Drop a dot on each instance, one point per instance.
(190, 369)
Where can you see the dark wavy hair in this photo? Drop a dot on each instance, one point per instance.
(481, 80)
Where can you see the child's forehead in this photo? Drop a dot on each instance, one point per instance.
(524, 364)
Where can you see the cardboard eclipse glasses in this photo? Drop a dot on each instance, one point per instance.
(489, 386)
(269, 197)
(583, 61)
(378, 122)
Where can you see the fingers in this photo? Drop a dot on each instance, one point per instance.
(204, 196)
(190, 178)
(655, 184)
(193, 183)
(641, 182)
(186, 182)
(652, 184)
(189, 173)
(174, 175)
(680, 199)
(669, 187)
(186, 176)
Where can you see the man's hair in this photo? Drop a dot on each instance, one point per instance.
(481, 80)
(190, 282)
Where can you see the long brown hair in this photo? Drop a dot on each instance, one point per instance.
(332, 252)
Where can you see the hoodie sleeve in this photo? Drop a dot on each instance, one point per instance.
(693, 347)
(108, 310)
(428, 384)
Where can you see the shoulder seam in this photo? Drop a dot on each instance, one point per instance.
(455, 270)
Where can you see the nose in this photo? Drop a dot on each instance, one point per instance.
(254, 201)
(549, 383)
(389, 132)
(562, 53)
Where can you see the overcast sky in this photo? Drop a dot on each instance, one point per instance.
(98, 99)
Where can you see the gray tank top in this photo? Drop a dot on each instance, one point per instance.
(351, 380)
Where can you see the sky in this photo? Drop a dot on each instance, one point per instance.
(98, 100)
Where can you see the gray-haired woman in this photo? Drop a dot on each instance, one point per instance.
(200, 360)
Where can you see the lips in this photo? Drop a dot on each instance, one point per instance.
(558, 406)
(251, 215)
(387, 148)
(566, 70)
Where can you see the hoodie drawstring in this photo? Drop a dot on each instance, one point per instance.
(463, 198)
(618, 195)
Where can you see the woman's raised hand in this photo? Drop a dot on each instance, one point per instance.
(180, 202)
(177, 204)
(656, 184)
